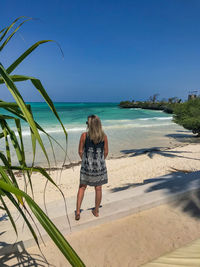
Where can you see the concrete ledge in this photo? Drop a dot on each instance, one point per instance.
(115, 205)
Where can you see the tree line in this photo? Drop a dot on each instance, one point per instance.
(186, 114)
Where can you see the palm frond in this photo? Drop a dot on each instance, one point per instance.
(19, 110)
(8, 213)
(5, 30)
(25, 54)
(50, 228)
(13, 33)
(13, 108)
(19, 100)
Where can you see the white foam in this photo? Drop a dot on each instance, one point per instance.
(76, 129)
(144, 119)
(116, 121)
(164, 118)
(107, 124)
(135, 125)
(156, 118)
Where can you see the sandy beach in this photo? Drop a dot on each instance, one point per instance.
(129, 242)
(132, 240)
(128, 171)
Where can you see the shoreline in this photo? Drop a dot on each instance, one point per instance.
(123, 172)
(141, 151)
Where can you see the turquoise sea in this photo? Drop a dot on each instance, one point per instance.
(127, 129)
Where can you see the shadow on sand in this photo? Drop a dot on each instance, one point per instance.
(4, 217)
(185, 185)
(176, 183)
(125, 187)
(184, 137)
(18, 256)
(151, 152)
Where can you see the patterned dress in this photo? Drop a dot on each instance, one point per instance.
(93, 168)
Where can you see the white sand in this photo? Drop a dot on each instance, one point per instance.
(127, 242)
(138, 238)
(122, 172)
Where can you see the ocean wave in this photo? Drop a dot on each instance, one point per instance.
(131, 124)
(105, 122)
(135, 125)
(163, 118)
(117, 121)
(145, 119)
(156, 118)
(51, 131)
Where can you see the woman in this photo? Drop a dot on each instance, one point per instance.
(93, 149)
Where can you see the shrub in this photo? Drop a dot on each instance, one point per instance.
(187, 114)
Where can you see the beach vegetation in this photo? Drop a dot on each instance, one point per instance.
(174, 100)
(18, 111)
(153, 98)
(153, 103)
(187, 114)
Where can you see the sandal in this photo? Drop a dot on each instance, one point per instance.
(77, 217)
(95, 213)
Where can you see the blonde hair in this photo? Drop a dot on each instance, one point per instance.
(95, 132)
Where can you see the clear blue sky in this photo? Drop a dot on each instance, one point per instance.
(113, 49)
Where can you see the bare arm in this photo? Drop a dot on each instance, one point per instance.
(105, 146)
(81, 145)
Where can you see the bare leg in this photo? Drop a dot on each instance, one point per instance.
(98, 197)
(80, 196)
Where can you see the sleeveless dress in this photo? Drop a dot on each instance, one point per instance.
(93, 167)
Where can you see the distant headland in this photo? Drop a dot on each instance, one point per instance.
(153, 103)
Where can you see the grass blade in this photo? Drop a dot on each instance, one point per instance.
(17, 206)
(19, 100)
(18, 113)
(7, 29)
(25, 54)
(8, 213)
(15, 143)
(7, 165)
(12, 34)
(2, 122)
(38, 85)
(47, 224)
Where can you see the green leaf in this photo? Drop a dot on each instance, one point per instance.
(8, 183)
(2, 122)
(14, 142)
(47, 224)
(6, 178)
(19, 130)
(8, 212)
(17, 206)
(38, 85)
(20, 154)
(14, 110)
(7, 104)
(14, 91)
(1, 32)
(25, 54)
(12, 34)
(7, 165)
(40, 88)
(7, 29)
